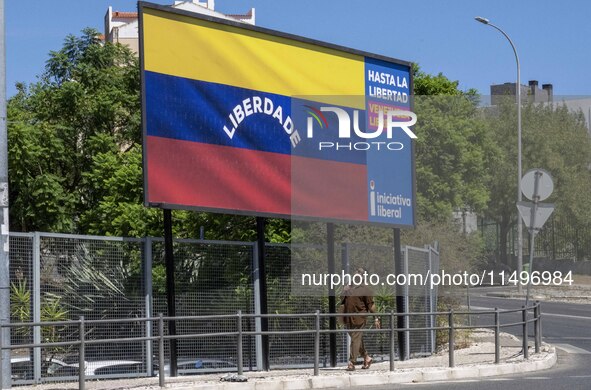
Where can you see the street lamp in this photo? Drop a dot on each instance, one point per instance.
(518, 98)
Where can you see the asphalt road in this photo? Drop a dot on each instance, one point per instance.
(565, 325)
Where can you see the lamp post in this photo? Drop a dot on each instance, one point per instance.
(518, 99)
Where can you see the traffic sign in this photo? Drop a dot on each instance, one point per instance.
(545, 184)
(542, 213)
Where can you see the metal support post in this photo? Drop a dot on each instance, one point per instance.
(317, 344)
(239, 324)
(81, 356)
(532, 233)
(1, 356)
(161, 351)
(540, 322)
(260, 221)
(36, 305)
(497, 336)
(147, 271)
(170, 288)
(468, 302)
(518, 102)
(524, 319)
(4, 225)
(392, 341)
(332, 320)
(256, 288)
(347, 269)
(401, 308)
(537, 327)
(451, 338)
(432, 304)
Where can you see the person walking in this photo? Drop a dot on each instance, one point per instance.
(358, 299)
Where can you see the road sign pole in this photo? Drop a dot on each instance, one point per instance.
(532, 232)
(536, 185)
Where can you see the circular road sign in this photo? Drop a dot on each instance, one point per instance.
(545, 184)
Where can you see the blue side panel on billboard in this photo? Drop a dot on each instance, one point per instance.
(390, 173)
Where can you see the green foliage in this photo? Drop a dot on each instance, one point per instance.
(85, 107)
(458, 252)
(453, 155)
(20, 301)
(453, 148)
(429, 85)
(51, 310)
(553, 139)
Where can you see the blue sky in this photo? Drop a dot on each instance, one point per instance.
(552, 37)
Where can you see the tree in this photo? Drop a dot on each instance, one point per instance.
(84, 106)
(75, 157)
(553, 139)
(453, 149)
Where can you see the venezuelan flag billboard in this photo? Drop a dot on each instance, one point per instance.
(245, 120)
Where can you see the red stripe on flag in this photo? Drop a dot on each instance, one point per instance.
(329, 189)
(205, 175)
(212, 176)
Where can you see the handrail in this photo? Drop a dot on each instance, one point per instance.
(239, 334)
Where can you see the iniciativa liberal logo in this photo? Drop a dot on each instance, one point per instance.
(393, 119)
(385, 204)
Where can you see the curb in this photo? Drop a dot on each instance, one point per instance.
(513, 295)
(386, 378)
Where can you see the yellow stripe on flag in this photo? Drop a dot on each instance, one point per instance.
(197, 49)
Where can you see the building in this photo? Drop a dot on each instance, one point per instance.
(532, 93)
(122, 27)
(529, 93)
(579, 104)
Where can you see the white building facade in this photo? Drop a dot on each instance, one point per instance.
(122, 26)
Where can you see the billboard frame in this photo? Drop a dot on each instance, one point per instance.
(168, 206)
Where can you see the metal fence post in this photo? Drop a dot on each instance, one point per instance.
(317, 344)
(256, 291)
(147, 264)
(161, 351)
(1, 355)
(468, 302)
(537, 339)
(497, 336)
(346, 264)
(239, 323)
(81, 356)
(36, 305)
(451, 338)
(392, 336)
(525, 346)
(406, 317)
(540, 322)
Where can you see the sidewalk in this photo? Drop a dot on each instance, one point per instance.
(577, 293)
(474, 362)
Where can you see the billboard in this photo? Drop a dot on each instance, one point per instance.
(244, 120)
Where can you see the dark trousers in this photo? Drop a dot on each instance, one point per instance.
(357, 346)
